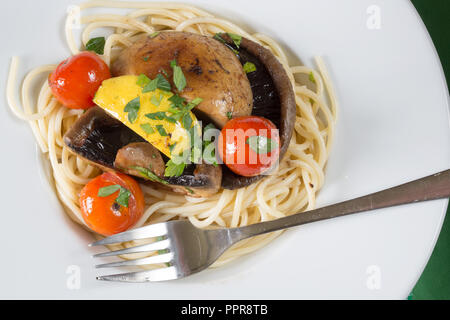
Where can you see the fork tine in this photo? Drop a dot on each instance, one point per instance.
(162, 274)
(150, 231)
(159, 258)
(158, 245)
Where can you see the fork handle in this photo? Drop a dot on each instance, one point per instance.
(436, 186)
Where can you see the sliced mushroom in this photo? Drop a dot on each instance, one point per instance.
(110, 145)
(212, 71)
(98, 137)
(142, 155)
(204, 182)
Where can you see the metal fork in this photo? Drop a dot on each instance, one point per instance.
(188, 250)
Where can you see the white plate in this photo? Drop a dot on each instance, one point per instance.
(393, 127)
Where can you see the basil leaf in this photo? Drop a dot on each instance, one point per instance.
(96, 45)
(236, 39)
(229, 115)
(261, 144)
(249, 67)
(132, 108)
(143, 80)
(124, 196)
(107, 191)
(146, 173)
(147, 128)
(162, 132)
(178, 77)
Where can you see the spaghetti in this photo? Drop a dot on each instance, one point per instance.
(291, 189)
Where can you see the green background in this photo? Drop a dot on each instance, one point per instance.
(434, 282)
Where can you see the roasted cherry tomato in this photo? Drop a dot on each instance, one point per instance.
(111, 203)
(249, 145)
(76, 80)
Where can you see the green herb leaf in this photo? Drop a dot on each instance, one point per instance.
(261, 144)
(173, 169)
(218, 37)
(163, 84)
(96, 45)
(143, 80)
(311, 77)
(191, 105)
(177, 101)
(154, 34)
(151, 86)
(160, 115)
(132, 108)
(156, 101)
(124, 196)
(236, 39)
(190, 190)
(187, 121)
(147, 128)
(178, 77)
(145, 58)
(249, 67)
(158, 83)
(107, 191)
(146, 173)
(162, 132)
(230, 115)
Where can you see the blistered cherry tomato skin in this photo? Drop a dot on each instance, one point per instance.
(102, 214)
(235, 151)
(76, 80)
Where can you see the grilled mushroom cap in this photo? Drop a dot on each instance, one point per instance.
(273, 98)
(212, 72)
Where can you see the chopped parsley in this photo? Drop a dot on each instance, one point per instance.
(229, 115)
(132, 108)
(158, 83)
(147, 128)
(156, 101)
(249, 67)
(236, 39)
(122, 198)
(178, 76)
(143, 80)
(162, 132)
(96, 45)
(146, 173)
(173, 169)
